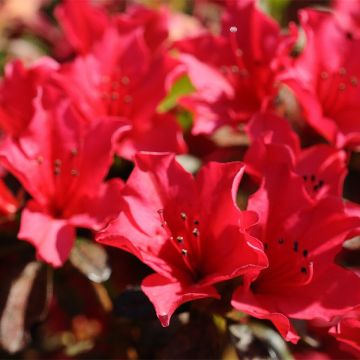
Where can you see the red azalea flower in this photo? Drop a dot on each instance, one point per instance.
(84, 24)
(348, 13)
(190, 231)
(17, 91)
(301, 238)
(114, 80)
(235, 73)
(325, 78)
(322, 167)
(54, 160)
(347, 330)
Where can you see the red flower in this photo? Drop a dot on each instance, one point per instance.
(114, 80)
(54, 160)
(347, 330)
(190, 231)
(322, 167)
(301, 238)
(17, 91)
(84, 24)
(325, 78)
(348, 13)
(235, 73)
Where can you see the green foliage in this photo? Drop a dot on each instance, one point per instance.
(181, 87)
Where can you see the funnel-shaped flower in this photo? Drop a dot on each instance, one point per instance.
(190, 231)
(325, 78)
(301, 237)
(54, 160)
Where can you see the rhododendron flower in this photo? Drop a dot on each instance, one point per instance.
(61, 160)
(85, 23)
(301, 237)
(122, 79)
(347, 330)
(325, 78)
(17, 91)
(190, 231)
(322, 167)
(348, 13)
(235, 73)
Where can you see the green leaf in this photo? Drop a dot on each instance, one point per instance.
(185, 119)
(181, 87)
(275, 8)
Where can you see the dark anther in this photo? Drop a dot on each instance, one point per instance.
(305, 178)
(313, 178)
(305, 253)
(196, 222)
(349, 35)
(316, 187)
(296, 246)
(281, 241)
(180, 239)
(266, 246)
(184, 252)
(303, 270)
(321, 184)
(195, 232)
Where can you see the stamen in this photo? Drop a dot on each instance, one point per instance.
(305, 253)
(184, 252)
(324, 75)
(180, 239)
(342, 87)
(74, 172)
(57, 162)
(354, 81)
(342, 71)
(233, 29)
(125, 80)
(183, 216)
(114, 96)
(296, 246)
(74, 151)
(39, 159)
(195, 232)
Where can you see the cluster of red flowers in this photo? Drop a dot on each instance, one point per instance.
(115, 96)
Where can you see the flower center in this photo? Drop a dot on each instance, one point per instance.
(289, 266)
(183, 232)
